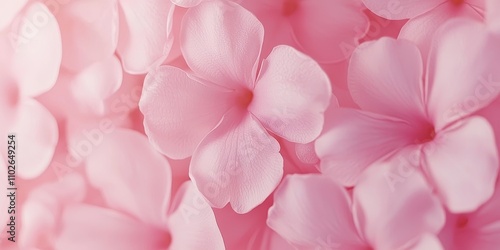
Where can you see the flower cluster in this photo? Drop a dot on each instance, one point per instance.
(250, 124)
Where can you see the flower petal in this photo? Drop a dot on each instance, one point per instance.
(356, 139)
(420, 30)
(38, 50)
(42, 210)
(130, 174)
(142, 44)
(493, 14)
(463, 164)
(385, 77)
(9, 11)
(308, 217)
(324, 28)
(192, 213)
(393, 215)
(94, 84)
(291, 95)
(401, 9)
(238, 162)
(179, 111)
(459, 86)
(482, 229)
(186, 3)
(90, 227)
(89, 31)
(226, 49)
(428, 242)
(37, 131)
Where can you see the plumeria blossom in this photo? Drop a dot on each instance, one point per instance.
(375, 217)
(477, 230)
(402, 107)
(135, 182)
(425, 16)
(222, 113)
(326, 30)
(30, 49)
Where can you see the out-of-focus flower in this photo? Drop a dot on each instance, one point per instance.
(374, 218)
(326, 30)
(386, 78)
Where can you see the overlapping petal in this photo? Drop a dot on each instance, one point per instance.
(142, 42)
(180, 111)
(463, 164)
(237, 163)
(221, 42)
(131, 176)
(458, 87)
(355, 139)
(308, 217)
(291, 95)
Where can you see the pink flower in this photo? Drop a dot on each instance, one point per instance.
(138, 213)
(29, 66)
(222, 112)
(404, 107)
(476, 230)
(426, 16)
(314, 212)
(326, 30)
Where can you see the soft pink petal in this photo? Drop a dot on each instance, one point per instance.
(42, 210)
(306, 153)
(9, 11)
(356, 139)
(420, 30)
(482, 228)
(93, 85)
(394, 204)
(186, 3)
(37, 130)
(493, 14)
(313, 211)
(324, 28)
(192, 222)
(38, 50)
(89, 227)
(226, 49)
(291, 95)
(238, 162)
(142, 44)
(461, 74)
(385, 77)
(463, 164)
(401, 9)
(130, 174)
(179, 111)
(427, 242)
(89, 31)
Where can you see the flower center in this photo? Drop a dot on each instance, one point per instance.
(462, 222)
(457, 2)
(244, 98)
(11, 94)
(289, 7)
(427, 134)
